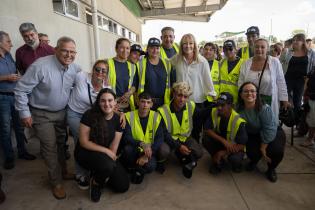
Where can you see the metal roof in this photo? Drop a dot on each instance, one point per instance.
(187, 10)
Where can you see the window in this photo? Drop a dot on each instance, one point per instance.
(129, 35)
(123, 32)
(115, 28)
(88, 15)
(58, 6)
(72, 8)
(99, 21)
(67, 7)
(105, 24)
(110, 26)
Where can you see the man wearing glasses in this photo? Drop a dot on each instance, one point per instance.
(41, 98)
(32, 49)
(230, 70)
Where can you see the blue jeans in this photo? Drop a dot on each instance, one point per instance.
(73, 120)
(9, 116)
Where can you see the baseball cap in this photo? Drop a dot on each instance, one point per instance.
(225, 98)
(154, 42)
(136, 47)
(229, 44)
(252, 30)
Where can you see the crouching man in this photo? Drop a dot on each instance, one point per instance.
(179, 117)
(225, 135)
(143, 138)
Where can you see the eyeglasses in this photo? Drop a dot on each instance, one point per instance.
(249, 91)
(65, 52)
(100, 70)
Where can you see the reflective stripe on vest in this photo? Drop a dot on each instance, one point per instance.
(178, 130)
(113, 79)
(136, 128)
(229, 81)
(245, 53)
(233, 124)
(163, 53)
(142, 72)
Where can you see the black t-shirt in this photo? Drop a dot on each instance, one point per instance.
(297, 68)
(155, 79)
(110, 127)
(232, 64)
(241, 136)
(170, 52)
(310, 91)
(239, 52)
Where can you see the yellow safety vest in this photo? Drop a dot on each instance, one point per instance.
(136, 128)
(233, 125)
(179, 131)
(163, 53)
(112, 78)
(142, 66)
(245, 53)
(215, 78)
(229, 81)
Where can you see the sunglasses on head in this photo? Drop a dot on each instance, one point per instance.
(100, 70)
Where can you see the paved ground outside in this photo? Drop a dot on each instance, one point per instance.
(27, 187)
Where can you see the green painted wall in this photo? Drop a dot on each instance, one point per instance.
(133, 6)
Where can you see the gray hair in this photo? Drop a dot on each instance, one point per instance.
(26, 27)
(2, 35)
(64, 39)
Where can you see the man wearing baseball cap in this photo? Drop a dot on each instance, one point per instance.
(135, 53)
(226, 136)
(229, 70)
(155, 74)
(247, 52)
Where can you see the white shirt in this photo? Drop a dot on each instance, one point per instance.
(197, 75)
(265, 84)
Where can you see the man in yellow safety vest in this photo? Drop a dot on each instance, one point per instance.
(168, 47)
(225, 135)
(247, 52)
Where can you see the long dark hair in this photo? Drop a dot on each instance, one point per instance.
(99, 127)
(241, 104)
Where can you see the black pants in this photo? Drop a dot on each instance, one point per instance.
(103, 167)
(295, 90)
(275, 149)
(213, 146)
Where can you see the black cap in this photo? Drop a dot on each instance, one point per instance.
(229, 44)
(252, 30)
(154, 42)
(136, 47)
(225, 98)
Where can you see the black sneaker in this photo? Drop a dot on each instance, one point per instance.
(215, 169)
(250, 166)
(137, 176)
(188, 169)
(95, 191)
(160, 167)
(237, 168)
(9, 163)
(271, 175)
(83, 182)
(27, 156)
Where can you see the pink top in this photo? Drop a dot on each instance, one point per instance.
(25, 55)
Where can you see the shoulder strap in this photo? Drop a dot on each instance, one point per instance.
(262, 72)
(90, 98)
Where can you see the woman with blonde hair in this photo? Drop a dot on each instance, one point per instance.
(193, 69)
(266, 73)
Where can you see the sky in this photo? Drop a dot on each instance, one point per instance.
(276, 17)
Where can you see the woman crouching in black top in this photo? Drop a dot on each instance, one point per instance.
(100, 135)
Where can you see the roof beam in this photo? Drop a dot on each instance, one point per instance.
(180, 10)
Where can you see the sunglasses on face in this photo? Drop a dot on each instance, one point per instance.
(100, 70)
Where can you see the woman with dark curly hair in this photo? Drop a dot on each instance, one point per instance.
(100, 135)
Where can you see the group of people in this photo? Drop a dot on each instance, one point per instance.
(133, 110)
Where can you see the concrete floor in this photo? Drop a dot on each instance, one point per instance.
(27, 187)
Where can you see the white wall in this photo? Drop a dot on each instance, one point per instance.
(40, 12)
